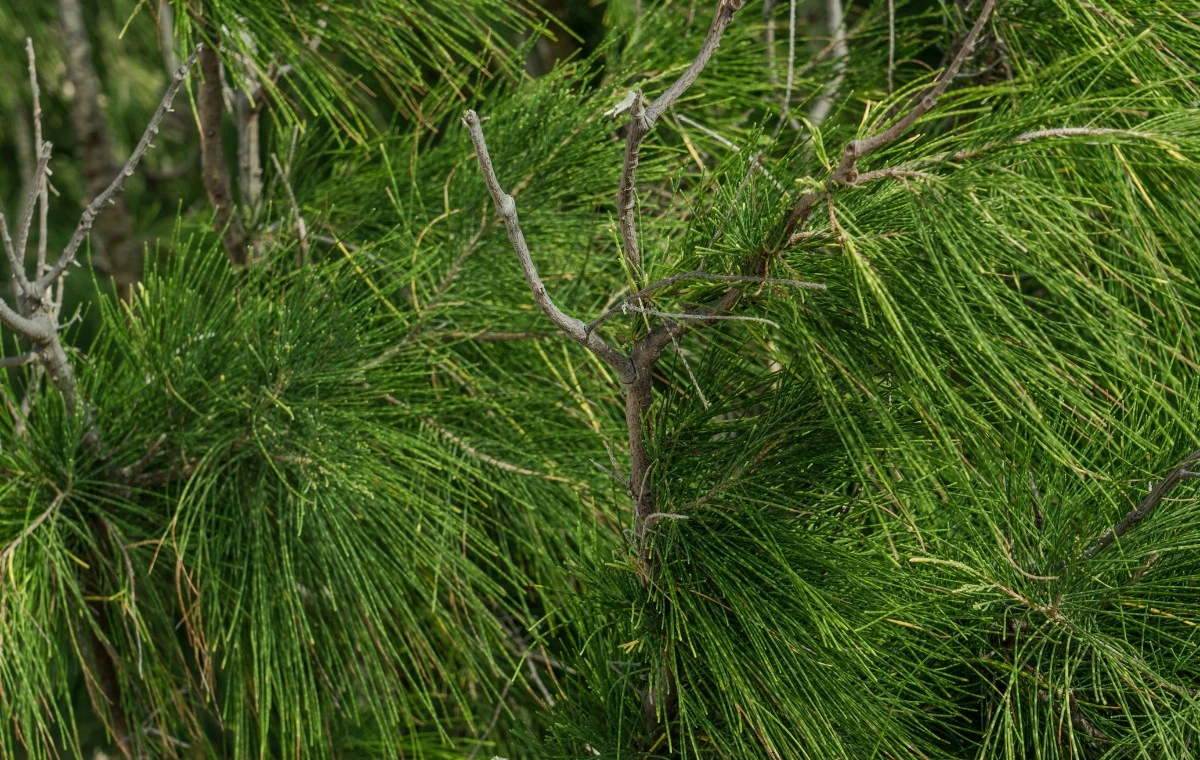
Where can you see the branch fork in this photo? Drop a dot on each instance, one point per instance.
(36, 316)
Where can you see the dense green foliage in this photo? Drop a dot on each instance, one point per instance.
(361, 499)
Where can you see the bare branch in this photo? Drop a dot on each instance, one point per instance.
(35, 193)
(691, 375)
(14, 259)
(642, 118)
(891, 71)
(721, 20)
(115, 252)
(1146, 506)
(215, 173)
(768, 9)
(33, 329)
(9, 362)
(506, 207)
(43, 195)
(699, 316)
(790, 82)
(651, 347)
(755, 162)
(893, 172)
(847, 169)
(925, 103)
(93, 209)
(500, 464)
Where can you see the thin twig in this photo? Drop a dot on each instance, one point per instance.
(847, 169)
(492, 336)
(495, 720)
(43, 194)
(301, 228)
(35, 192)
(791, 72)
(691, 375)
(488, 459)
(768, 10)
(14, 261)
(9, 362)
(133, 613)
(699, 317)
(642, 118)
(891, 70)
(893, 172)
(1147, 505)
(93, 209)
(755, 162)
(506, 207)
(214, 172)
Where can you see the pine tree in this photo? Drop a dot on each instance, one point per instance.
(769, 381)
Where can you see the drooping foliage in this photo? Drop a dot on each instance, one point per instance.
(363, 498)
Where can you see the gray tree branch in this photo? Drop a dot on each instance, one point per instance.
(642, 118)
(114, 187)
(847, 170)
(506, 207)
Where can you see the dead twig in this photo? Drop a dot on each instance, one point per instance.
(642, 118)
(847, 169)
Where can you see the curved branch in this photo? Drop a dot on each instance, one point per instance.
(642, 118)
(100, 201)
(1147, 505)
(847, 169)
(506, 207)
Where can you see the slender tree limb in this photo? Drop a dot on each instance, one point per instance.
(755, 162)
(1146, 506)
(790, 81)
(43, 189)
(642, 118)
(660, 337)
(506, 207)
(116, 252)
(699, 316)
(14, 261)
(691, 375)
(768, 10)
(301, 227)
(213, 169)
(721, 20)
(40, 172)
(891, 70)
(9, 362)
(847, 169)
(100, 201)
(497, 463)
(892, 172)
(7, 552)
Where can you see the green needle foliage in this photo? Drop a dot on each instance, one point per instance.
(893, 454)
